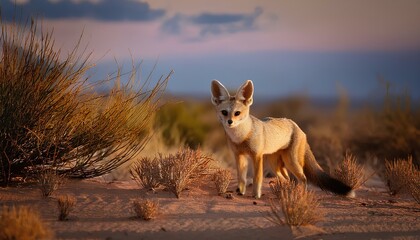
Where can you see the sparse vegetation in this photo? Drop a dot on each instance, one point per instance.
(22, 222)
(390, 133)
(181, 124)
(175, 172)
(299, 207)
(65, 205)
(146, 209)
(350, 172)
(49, 181)
(146, 172)
(277, 186)
(221, 179)
(51, 117)
(179, 170)
(54, 124)
(399, 175)
(414, 186)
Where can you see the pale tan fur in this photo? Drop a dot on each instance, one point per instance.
(278, 140)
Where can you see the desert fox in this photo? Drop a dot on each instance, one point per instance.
(278, 140)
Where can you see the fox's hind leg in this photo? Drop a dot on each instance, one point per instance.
(294, 156)
(292, 163)
(278, 167)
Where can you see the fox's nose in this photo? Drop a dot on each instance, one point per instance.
(230, 121)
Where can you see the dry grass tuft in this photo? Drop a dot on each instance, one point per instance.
(175, 172)
(350, 172)
(403, 176)
(146, 172)
(221, 179)
(65, 205)
(179, 170)
(277, 186)
(414, 187)
(399, 175)
(49, 181)
(22, 223)
(299, 207)
(146, 209)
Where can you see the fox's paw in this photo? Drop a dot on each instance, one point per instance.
(257, 195)
(351, 194)
(239, 192)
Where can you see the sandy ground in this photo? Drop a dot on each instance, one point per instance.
(104, 211)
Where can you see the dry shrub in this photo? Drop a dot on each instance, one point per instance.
(299, 207)
(414, 186)
(22, 223)
(391, 132)
(403, 176)
(146, 172)
(327, 143)
(278, 185)
(146, 209)
(49, 181)
(350, 172)
(38, 93)
(399, 175)
(65, 205)
(221, 179)
(179, 170)
(51, 115)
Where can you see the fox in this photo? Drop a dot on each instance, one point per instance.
(280, 141)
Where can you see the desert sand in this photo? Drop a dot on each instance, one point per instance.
(104, 211)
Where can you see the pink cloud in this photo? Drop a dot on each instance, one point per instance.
(338, 26)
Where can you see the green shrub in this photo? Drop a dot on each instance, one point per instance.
(181, 124)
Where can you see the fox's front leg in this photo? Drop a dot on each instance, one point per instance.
(242, 168)
(258, 175)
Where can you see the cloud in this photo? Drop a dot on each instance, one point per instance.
(173, 25)
(213, 23)
(209, 18)
(104, 10)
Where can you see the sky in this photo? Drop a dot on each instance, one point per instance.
(316, 48)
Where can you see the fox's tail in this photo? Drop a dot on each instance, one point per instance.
(319, 177)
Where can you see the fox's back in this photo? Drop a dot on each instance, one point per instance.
(272, 134)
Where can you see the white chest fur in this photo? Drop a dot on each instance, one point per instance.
(240, 132)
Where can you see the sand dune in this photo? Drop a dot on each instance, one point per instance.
(104, 211)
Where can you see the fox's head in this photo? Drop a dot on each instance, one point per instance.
(232, 110)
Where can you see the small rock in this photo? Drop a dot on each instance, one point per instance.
(228, 196)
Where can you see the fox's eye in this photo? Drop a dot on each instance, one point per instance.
(237, 113)
(224, 112)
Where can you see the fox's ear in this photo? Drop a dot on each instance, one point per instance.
(219, 93)
(245, 93)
